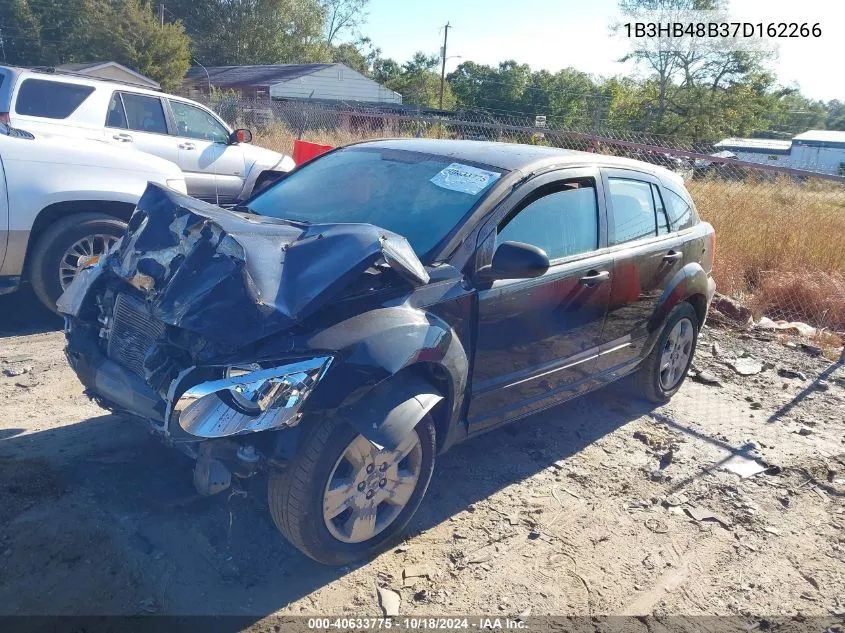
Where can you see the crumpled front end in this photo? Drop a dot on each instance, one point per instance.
(153, 327)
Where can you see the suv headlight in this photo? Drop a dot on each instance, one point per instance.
(249, 399)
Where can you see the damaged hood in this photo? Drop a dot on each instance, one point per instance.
(235, 278)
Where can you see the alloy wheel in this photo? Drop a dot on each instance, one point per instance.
(81, 253)
(676, 354)
(368, 488)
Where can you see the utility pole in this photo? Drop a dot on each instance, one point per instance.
(443, 67)
(161, 13)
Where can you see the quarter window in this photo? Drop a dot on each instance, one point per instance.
(633, 210)
(193, 122)
(662, 219)
(680, 212)
(50, 99)
(144, 114)
(562, 223)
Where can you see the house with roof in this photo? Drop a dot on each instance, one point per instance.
(110, 70)
(318, 82)
(814, 150)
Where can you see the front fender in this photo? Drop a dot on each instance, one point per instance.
(378, 345)
(392, 409)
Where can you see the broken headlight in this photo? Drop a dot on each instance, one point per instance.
(248, 399)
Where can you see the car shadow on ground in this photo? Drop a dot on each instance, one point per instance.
(222, 555)
(22, 313)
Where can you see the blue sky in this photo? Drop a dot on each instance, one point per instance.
(554, 34)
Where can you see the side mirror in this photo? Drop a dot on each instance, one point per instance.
(516, 260)
(240, 135)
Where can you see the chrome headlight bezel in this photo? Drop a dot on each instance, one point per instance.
(248, 400)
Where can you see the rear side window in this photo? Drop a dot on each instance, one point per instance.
(142, 113)
(562, 223)
(116, 116)
(663, 225)
(633, 210)
(50, 99)
(680, 213)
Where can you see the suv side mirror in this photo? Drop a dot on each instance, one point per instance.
(516, 260)
(240, 135)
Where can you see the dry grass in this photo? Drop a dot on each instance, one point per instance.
(779, 244)
(280, 138)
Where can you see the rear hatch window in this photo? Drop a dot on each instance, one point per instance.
(50, 99)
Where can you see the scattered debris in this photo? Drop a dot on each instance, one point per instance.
(726, 310)
(656, 525)
(804, 430)
(746, 366)
(770, 530)
(700, 514)
(706, 377)
(673, 501)
(743, 466)
(14, 371)
(812, 350)
(410, 573)
(656, 436)
(822, 385)
(797, 327)
(421, 595)
(786, 372)
(389, 602)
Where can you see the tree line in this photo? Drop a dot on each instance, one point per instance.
(703, 92)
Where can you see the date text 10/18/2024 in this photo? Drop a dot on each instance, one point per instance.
(416, 624)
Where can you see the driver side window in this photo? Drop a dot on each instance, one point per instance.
(193, 122)
(563, 222)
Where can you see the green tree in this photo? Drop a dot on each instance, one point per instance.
(343, 16)
(236, 32)
(43, 33)
(419, 83)
(127, 31)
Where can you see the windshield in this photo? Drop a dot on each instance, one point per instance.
(418, 196)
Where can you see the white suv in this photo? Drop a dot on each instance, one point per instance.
(219, 164)
(64, 202)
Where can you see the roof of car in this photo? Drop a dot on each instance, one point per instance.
(513, 156)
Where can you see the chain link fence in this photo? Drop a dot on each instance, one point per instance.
(779, 229)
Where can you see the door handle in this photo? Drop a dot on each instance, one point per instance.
(594, 277)
(123, 138)
(187, 146)
(672, 256)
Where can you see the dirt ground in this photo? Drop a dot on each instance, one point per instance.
(602, 506)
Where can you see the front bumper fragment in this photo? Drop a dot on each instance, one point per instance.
(204, 411)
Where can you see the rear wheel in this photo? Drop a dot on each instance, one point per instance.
(342, 499)
(65, 248)
(662, 373)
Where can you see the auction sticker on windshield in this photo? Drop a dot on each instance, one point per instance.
(463, 178)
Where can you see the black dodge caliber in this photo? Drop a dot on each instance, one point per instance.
(381, 303)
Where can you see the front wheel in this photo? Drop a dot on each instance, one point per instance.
(662, 373)
(342, 499)
(65, 248)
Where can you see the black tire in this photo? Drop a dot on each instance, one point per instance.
(647, 377)
(54, 243)
(295, 494)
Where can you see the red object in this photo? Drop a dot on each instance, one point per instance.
(303, 151)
